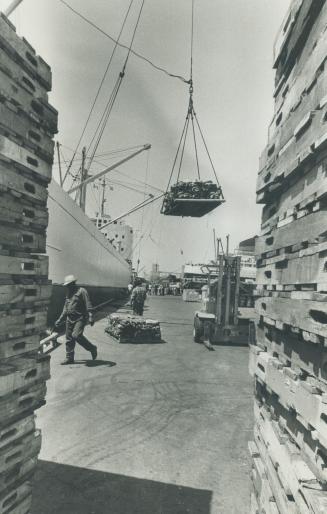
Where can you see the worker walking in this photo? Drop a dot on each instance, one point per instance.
(138, 298)
(76, 313)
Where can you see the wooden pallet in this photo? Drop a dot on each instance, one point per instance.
(297, 235)
(298, 395)
(20, 156)
(15, 90)
(19, 346)
(312, 452)
(24, 266)
(22, 184)
(22, 239)
(22, 129)
(16, 498)
(20, 450)
(15, 210)
(15, 431)
(18, 474)
(23, 371)
(22, 322)
(306, 315)
(293, 350)
(23, 53)
(22, 402)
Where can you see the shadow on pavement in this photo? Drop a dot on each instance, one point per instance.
(64, 489)
(95, 363)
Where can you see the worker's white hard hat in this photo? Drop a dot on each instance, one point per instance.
(69, 279)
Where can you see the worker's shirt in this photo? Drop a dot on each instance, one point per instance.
(77, 306)
(138, 295)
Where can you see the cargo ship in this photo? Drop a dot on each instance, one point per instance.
(75, 245)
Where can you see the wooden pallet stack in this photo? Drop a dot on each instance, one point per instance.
(289, 361)
(27, 126)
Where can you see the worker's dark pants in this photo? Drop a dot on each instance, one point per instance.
(74, 334)
(138, 308)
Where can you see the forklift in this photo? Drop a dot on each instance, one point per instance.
(227, 314)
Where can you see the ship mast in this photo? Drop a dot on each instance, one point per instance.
(14, 4)
(103, 199)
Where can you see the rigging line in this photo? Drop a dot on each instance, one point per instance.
(115, 91)
(136, 54)
(195, 146)
(146, 177)
(183, 147)
(207, 150)
(100, 86)
(192, 38)
(121, 184)
(176, 156)
(103, 121)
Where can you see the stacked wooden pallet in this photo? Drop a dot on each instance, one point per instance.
(289, 361)
(27, 126)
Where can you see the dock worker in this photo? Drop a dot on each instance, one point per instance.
(77, 312)
(138, 297)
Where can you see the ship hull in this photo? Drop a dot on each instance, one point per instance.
(75, 246)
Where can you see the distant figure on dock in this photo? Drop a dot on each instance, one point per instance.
(130, 288)
(138, 298)
(76, 313)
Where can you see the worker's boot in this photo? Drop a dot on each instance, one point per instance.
(69, 360)
(94, 353)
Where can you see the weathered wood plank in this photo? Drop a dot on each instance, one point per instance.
(24, 266)
(13, 432)
(10, 500)
(23, 184)
(311, 450)
(22, 239)
(15, 153)
(292, 348)
(19, 73)
(311, 269)
(285, 124)
(306, 315)
(23, 130)
(14, 90)
(19, 323)
(23, 371)
(21, 472)
(293, 394)
(305, 66)
(285, 457)
(15, 210)
(286, 505)
(24, 295)
(22, 345)
(308, 188)
(298, 150)
(24, 53)
(21, 403)
(303, 230)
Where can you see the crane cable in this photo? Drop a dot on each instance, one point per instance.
(136, 54)
(99, 88)
(191, 115)
(114, 94)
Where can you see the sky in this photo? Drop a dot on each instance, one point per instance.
(233, 86)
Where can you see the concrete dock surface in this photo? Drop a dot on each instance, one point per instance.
(147, 428)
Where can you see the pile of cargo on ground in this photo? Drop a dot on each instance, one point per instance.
(27, 125)
(127, 328)
(289, 361)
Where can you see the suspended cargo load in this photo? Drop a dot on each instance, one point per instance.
(194, 199)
